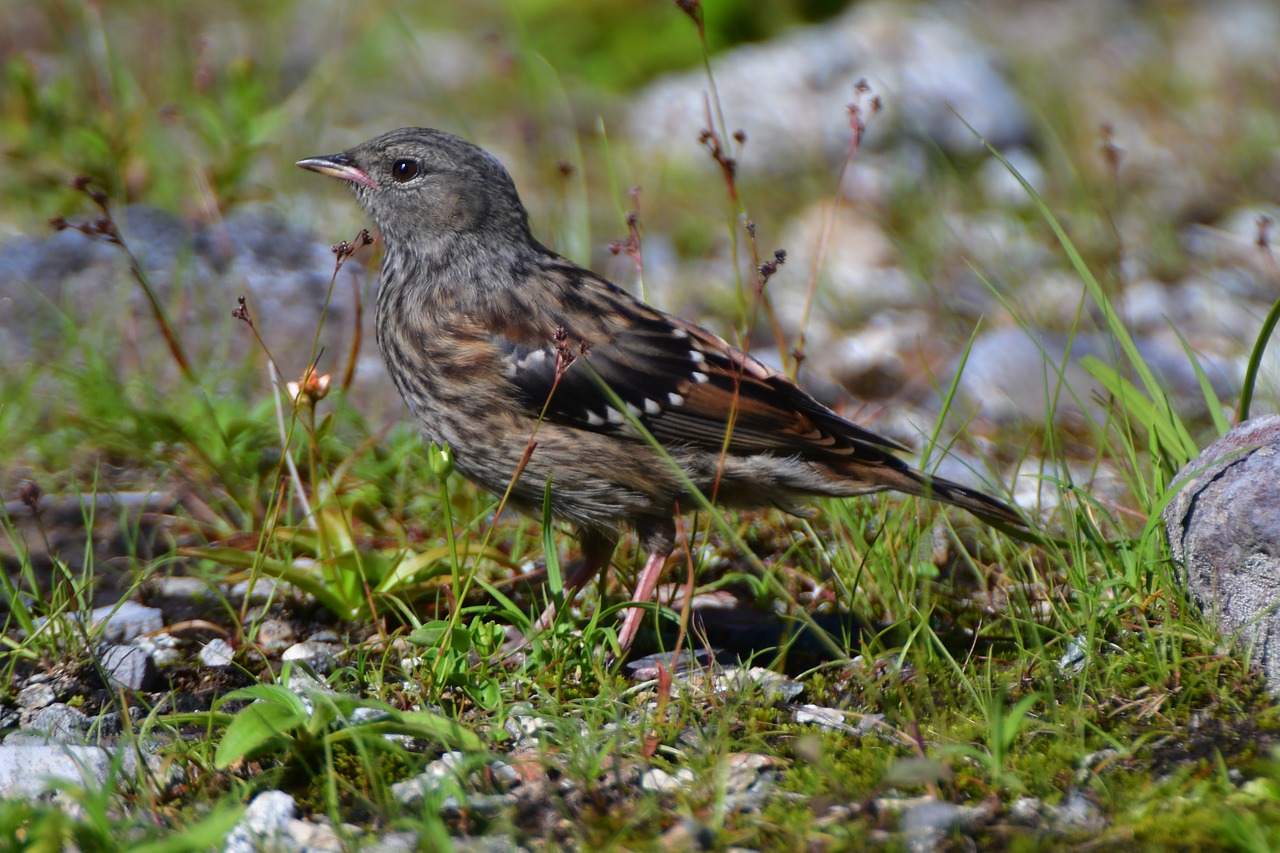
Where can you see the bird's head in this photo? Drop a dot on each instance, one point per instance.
(425, 189)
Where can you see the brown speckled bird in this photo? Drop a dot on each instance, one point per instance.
(475, 317)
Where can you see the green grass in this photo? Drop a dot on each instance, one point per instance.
(995, 669)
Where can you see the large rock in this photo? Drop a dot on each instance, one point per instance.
(1224, 529)
(790, 93)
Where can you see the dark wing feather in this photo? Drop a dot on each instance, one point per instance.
(679, 380)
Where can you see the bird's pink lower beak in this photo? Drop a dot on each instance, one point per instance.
(339, 166)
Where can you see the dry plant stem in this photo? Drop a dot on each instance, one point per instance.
(104, 228)
(286, 436)
(343, 251)
(859, 120)
(590, 564)
(357, 336)
(651, 742)
(686, 612)
(631, 245)
(1112, 155)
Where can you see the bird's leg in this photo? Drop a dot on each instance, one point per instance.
(659, 542)
(597, 548)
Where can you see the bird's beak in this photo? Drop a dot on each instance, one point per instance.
(339, 166)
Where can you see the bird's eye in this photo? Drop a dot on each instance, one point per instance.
(404, 169)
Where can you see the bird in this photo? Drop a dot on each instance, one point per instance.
(497, 344)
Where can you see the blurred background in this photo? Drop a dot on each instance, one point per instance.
(1150, 129)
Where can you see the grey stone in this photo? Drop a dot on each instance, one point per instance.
(305, 686)
(36, 696)
(824, 718)
(314, 836)
(178, 586)
(1224, 531)
(266, 822)
(318, 656)
(1079, 813)
(182, 597)
(32, 769)
(156, 236)
(1028, 811)
(392, 842)
(648, 667)
(364, 715)
(927, 821)
(1011, 377)
(448, 774)
(57, 723)
(659, 780)
(523, 723)
(108, 724)
(872, 362)
(259, 591)
(274, 635)
(217, 654)
(858, 278)
(756, 679)
(931, 817)
(126, 621)
(164, 649)
(790, 94)
(748, 780)
(127, 667)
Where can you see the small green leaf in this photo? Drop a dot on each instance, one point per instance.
(273, 693)
(430, 634)
(437, 728)
(257, 726)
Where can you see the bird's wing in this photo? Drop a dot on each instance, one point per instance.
(683, 383)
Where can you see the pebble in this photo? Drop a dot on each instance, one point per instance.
(1224, 532)
(28, 770)
(57, 723)
(318, 656)
(657, 779)
(126, 621)
(395, 842)
(264, 825)
(434, 777)
(824, 718)
(522, 723)
(127, 667)
(217, 654)
(772, 686)
(35, 696)
(164, 649)
(274, 635)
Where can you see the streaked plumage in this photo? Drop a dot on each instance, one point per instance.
(472, 314)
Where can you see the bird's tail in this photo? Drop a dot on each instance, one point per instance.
(992, 510)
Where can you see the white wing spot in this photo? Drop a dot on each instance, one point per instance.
(700, 377)
(594, 420)
(697, 357)
(635, 413)
(679, 333)
(675, 399)
(651, 407)
(532, 358)
(614, 416)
